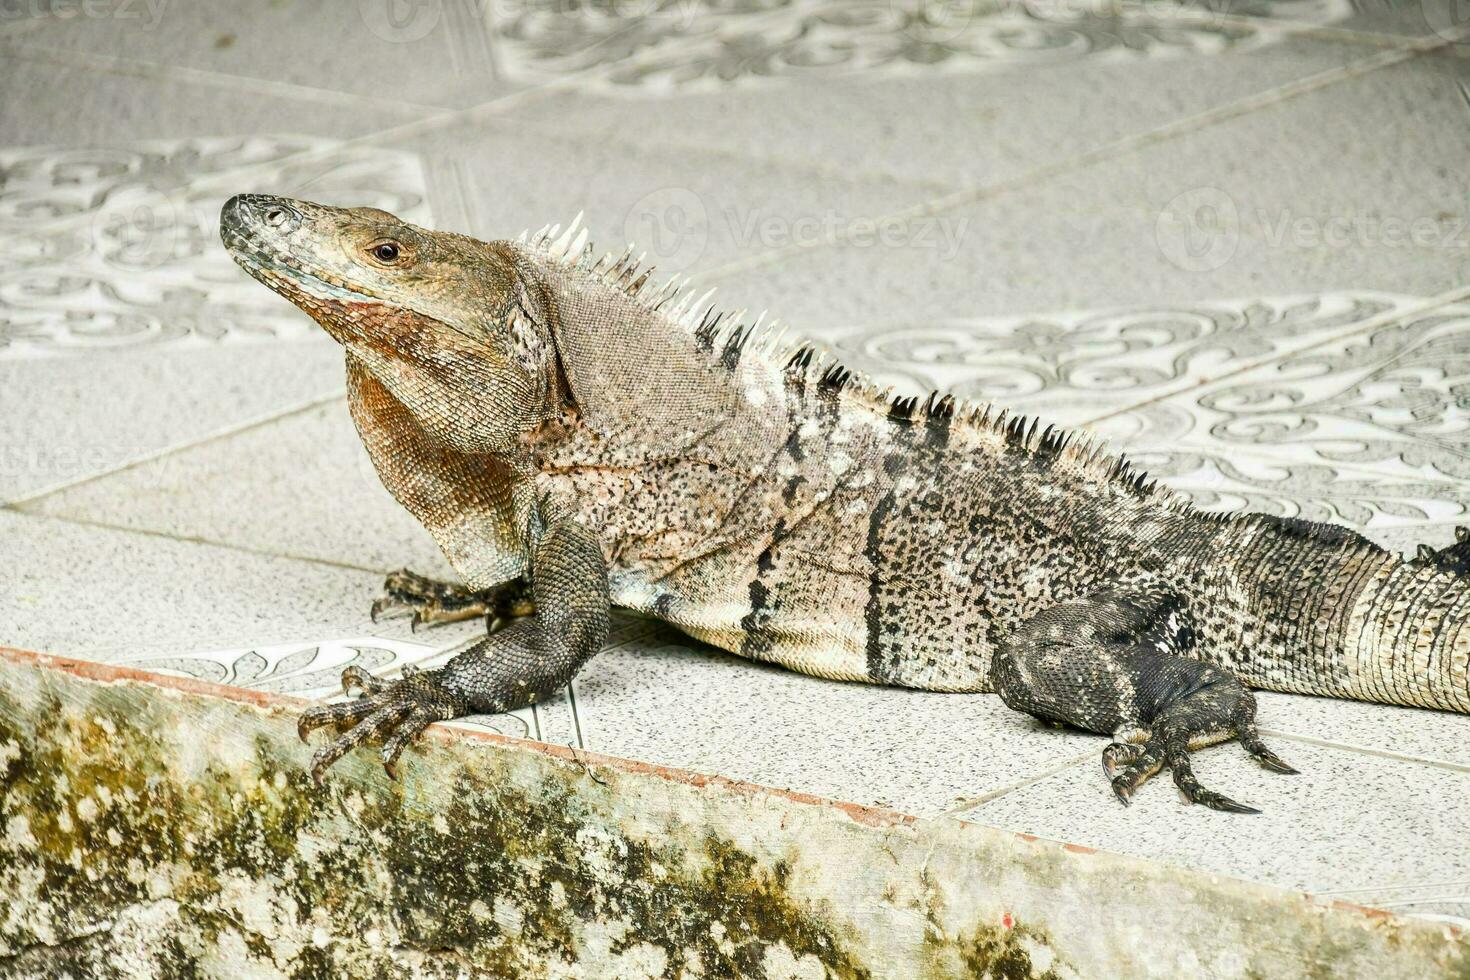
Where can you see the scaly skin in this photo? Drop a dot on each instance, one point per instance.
(575, 438)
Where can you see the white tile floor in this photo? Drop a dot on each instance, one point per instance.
(1236, 244)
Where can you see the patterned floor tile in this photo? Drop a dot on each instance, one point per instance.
(124, 328)
(868, 37)
(1389, 397)
(1356, 418)
(1072, 366)
(1369, 429)
(1397, 513)
(115, 247)
(313, 669)
(1348, 821)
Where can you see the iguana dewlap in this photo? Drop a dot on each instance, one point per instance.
(576, 438)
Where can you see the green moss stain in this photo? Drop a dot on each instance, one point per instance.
(522, 874)
(194, 823)
(1006, 952)
(509, 877)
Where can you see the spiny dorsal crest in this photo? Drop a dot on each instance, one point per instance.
(730, 340)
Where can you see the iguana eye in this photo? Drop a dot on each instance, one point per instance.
(386, 252)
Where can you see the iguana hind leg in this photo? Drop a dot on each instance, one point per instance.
(519, 665)
(1115, 663)
(432, 601)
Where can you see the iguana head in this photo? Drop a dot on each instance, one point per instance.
(447, 323)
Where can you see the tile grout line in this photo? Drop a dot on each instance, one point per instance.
(1325, 743)
(1076, 761)
(18, 504)
(191, 539)
(1295, 28)
(1456, 883)
(1116, 148)
(17, 28)
(487, 24)
(334, 632)
(1032, 780)
(1460, 896)
(155, 71)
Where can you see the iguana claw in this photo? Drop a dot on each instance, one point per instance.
(1452, 557)
(393, 712)
(432, 601)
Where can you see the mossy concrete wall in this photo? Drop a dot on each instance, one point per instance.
(152, 827)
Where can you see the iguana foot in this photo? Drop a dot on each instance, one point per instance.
(389, 711)
(1114, 663)
(1217, 712)
(1453, 558)
(432, 601)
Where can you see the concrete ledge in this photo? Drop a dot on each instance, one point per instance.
(151, 826)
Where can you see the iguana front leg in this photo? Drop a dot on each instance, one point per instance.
(1114, 663)
(519, 665)
(432, 601)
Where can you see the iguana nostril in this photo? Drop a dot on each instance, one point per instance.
(276, 217)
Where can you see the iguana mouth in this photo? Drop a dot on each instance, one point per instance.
(248, 227)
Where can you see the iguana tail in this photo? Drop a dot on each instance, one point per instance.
(1407, 637)
(1333, 614)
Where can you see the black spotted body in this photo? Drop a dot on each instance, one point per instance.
(896, 546)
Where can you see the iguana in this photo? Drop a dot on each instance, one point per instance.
(575, 437)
